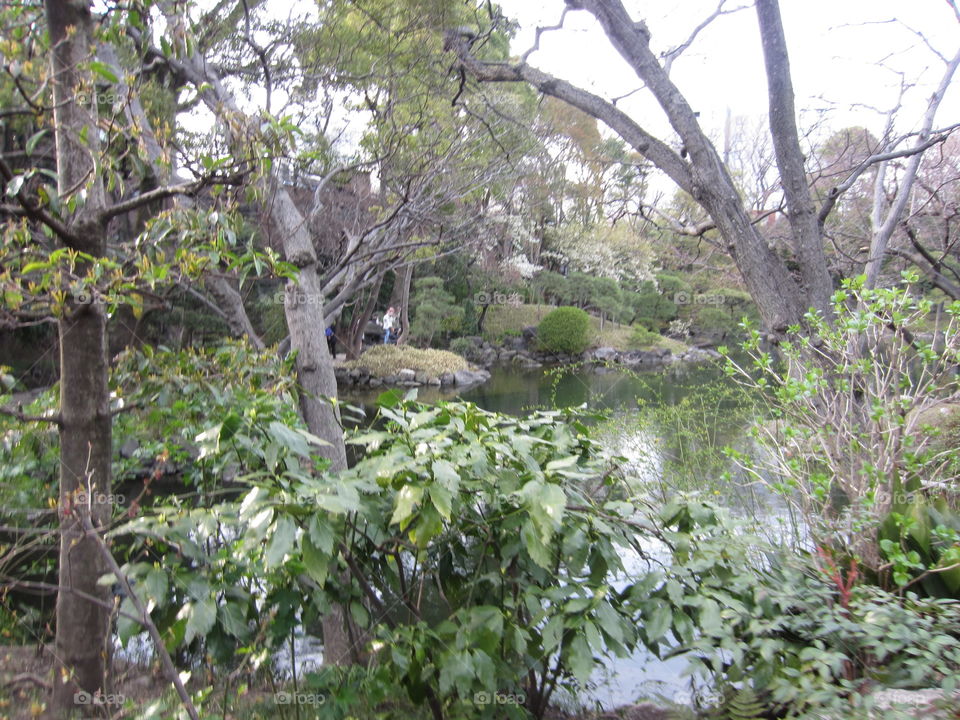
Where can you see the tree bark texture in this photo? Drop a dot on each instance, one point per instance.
(801, 213)
(83, 625)
(402, 292)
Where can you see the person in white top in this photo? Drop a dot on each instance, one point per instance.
(389, 325)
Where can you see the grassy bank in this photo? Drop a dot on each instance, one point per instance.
(385, 360)
(504, 321)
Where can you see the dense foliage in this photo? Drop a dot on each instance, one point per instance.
(564, 330)
(853, 440)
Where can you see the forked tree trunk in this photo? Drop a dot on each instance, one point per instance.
(83, 621)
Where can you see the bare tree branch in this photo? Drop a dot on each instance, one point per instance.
(19, 415)
(881, 237)
(671, 55)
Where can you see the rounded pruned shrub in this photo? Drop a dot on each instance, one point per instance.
(566, 330)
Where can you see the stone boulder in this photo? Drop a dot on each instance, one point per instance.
(604, 354)
(470, 377)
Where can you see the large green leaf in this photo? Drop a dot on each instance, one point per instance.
(200, 616)
(281, 542)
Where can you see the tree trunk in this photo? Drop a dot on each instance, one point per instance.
(402, 291)
(304, 309)
(83, 621)
(801, 214)
(778, 296)
(359, 323)
(231, 303)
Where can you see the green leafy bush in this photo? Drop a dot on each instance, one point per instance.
(465, 348)
(566, 330)
(852, 445)
(475, 553)
(435, 311)
(640, 337)
(797, 630)
(714, 319)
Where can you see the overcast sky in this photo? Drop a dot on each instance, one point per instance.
(843, 53)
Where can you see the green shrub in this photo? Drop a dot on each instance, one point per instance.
(566, 329)
(642, 338)
(653, 306)
(714, 319)
(435, 311)
(647, 322)
(793, 632)
(465, 348)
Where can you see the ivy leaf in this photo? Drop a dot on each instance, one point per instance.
(446, 474)
(710, 621)
(456, 671)
(442, 500)
(657, 622)
(535, 546)
(546, 503)
(127, 627)
(155, 585)
(234, 620)
(580, 659)
(322, 535)
(610, 621)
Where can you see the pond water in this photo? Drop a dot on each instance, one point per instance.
(668, 424)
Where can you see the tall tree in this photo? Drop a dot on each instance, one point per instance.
(86, 452)
(698, 169)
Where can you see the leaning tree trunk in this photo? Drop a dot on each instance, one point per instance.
(402, 291)
(354, 343)
(231, 303)
(318, 384)
(83, 620)
(700, 171)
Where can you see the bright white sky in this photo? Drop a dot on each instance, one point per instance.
(836, 50)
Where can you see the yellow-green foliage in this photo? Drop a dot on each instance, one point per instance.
(384, 360)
